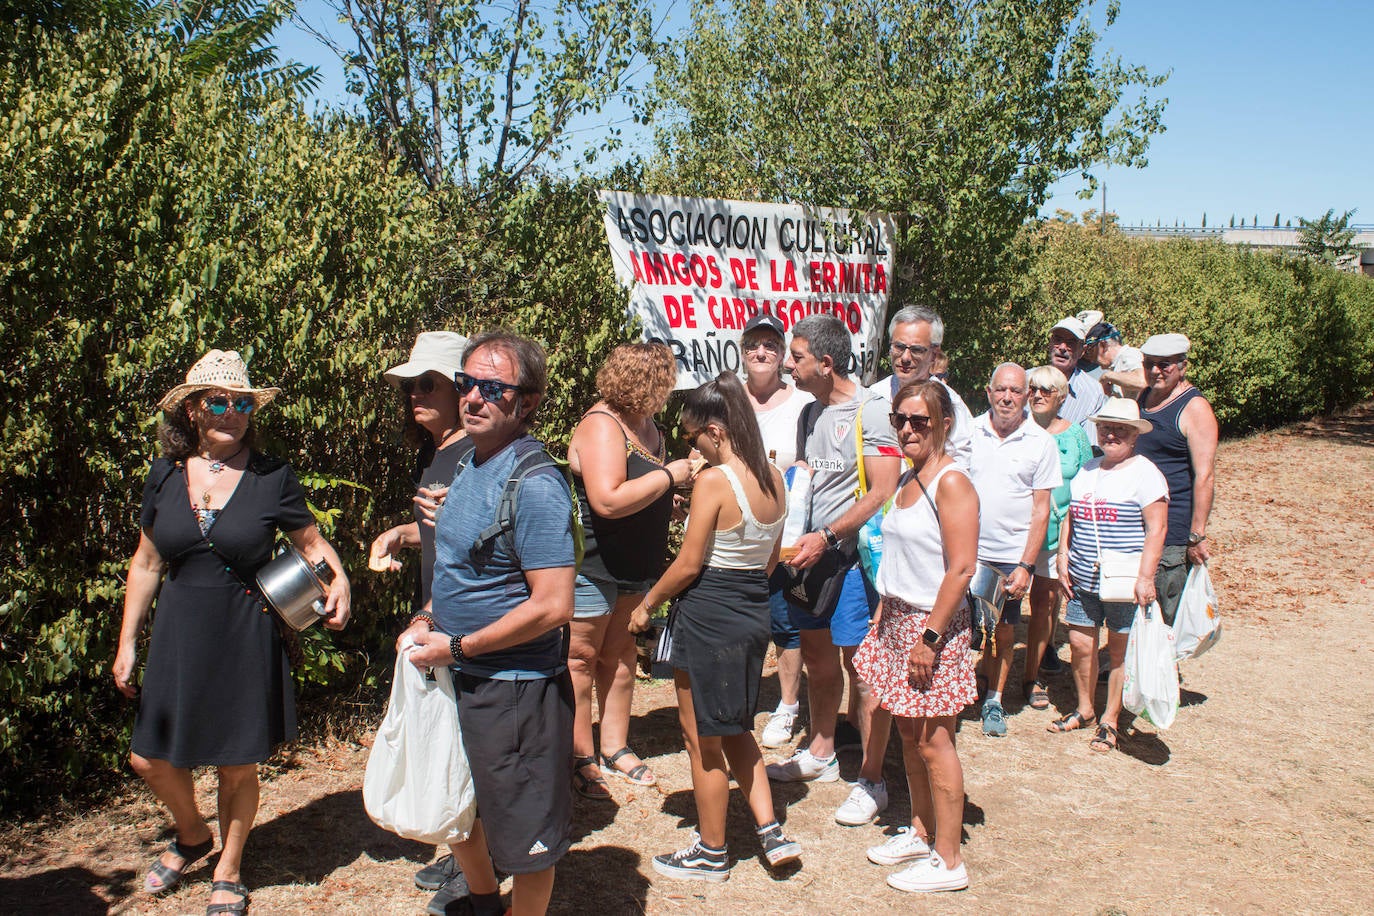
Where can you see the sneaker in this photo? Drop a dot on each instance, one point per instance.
(847, 737)
(930, 875)
(777, 848)
(436, 874)
(451, 898)
(994, 720)
(778, 731)
(864, 803)
(802, 767)
(905, 846)
(694, 863)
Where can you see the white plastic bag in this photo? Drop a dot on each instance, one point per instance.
(1197, 625)
(1151, 675)
(418, 784)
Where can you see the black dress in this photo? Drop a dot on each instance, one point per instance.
(217, 685)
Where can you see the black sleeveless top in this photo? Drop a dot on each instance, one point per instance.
(628, 551)
(1167, 449)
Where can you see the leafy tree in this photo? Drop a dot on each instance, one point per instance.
(1327, 238)
(482, 93)
(958, 114)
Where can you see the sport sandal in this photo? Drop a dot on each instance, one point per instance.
(234, 906)
(640, 775)
(593, 787)
(169, 877)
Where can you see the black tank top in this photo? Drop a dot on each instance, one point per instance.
(628, 551)
(1167, 449)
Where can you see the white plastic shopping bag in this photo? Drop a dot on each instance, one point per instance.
(1197, 625)
(1151, 675)
(418, 783)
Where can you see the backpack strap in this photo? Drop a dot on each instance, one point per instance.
(806, 425)
(533, 461)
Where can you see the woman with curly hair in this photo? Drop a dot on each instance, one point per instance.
(624, 488)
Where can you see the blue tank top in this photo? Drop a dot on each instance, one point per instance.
(1167, 449)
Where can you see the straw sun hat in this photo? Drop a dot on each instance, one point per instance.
(1123, 411)
(217, 369)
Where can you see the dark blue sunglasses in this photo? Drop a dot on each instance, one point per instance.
(490, 389)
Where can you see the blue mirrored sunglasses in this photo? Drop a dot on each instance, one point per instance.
(219, 405)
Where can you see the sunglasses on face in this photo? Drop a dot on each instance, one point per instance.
(772, 346)
(424, 384)
(219, 405)
(490, 389)
(1162, 364)
(919, 422)
(916, 350)
(1046, 390)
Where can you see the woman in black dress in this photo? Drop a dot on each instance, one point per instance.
(216, 687)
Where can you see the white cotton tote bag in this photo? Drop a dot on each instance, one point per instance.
(418, 784)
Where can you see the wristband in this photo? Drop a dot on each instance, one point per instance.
(420, 615)
(455, 648)
(672, 481)
(1028, 567)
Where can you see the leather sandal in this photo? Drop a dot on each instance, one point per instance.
(1071, 723)
(1104, 740)
(640, 775)
(1036, 694)
(236, 906)
(593, 787)
(169, 877)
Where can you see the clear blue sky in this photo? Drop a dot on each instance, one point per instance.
(1269, 107)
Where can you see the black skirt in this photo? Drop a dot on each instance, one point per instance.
(720, 632)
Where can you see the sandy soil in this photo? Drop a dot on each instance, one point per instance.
(1260, 798)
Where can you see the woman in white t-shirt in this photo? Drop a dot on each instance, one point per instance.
(1118, 502)
(777, 406)
(916, 656)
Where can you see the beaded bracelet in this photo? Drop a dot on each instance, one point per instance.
(429, 621)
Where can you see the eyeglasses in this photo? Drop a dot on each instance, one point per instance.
(490, 389)
(1046, 390)
(424, 384)
(219, 405)
(916, 350)
(772, 346)
(1162, 364)
(919, 422)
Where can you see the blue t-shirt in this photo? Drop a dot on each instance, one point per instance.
(470, 589)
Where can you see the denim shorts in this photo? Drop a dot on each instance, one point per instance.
(1085, 609)
(593, 598)
(1011, 608)
(848, 623)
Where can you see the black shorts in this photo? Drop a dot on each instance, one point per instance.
(518, 736)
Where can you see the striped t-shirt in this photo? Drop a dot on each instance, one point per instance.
(1106, 506)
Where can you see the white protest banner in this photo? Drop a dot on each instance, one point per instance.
(698, 269)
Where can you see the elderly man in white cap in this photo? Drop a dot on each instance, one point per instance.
(1085, 396)
(1183, 445)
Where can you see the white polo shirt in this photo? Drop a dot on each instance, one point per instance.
(1006, 473)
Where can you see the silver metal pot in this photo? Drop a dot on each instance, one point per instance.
(295, 588)
(988, 588)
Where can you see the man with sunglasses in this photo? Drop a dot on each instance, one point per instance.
(915, 336)
(497, 615)
(1182, 443)
(1015, 468)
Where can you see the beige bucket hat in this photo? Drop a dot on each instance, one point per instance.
(217, 369)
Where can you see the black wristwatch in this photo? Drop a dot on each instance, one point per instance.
(830, 537)
(1028, 567)
(1195, 539)
(455, 648)
(931, 637)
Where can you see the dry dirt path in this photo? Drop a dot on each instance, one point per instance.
(1259, 799)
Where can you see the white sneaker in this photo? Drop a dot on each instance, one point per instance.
(865, 800)
(802, 767)
(778, 731)
(905, 846)
(930, 875)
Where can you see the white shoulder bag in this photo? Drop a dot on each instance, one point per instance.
(1117, 570)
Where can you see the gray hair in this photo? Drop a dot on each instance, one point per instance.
(1048, 377)
(910, 314)
(826, 335)
(1017, 366)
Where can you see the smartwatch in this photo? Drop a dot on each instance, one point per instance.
(455, 648)
(931, 637)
